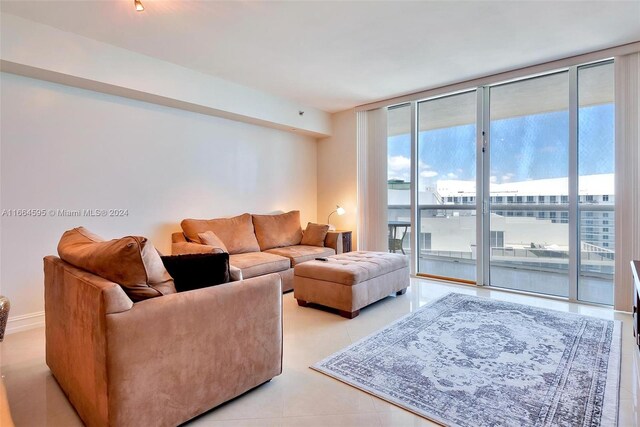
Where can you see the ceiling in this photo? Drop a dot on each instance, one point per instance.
(542, 94)
(334, 55)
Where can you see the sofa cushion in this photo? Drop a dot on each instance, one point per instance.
(236, 233)
(314, 234)
(195, 271)
(132, 262)
(210, 238)
(301, 253)
(259, 263)
(276, 231)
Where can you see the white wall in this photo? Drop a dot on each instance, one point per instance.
(36, 50)
(338, 174)
(69, 148)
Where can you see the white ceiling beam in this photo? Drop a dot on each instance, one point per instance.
(43, 52)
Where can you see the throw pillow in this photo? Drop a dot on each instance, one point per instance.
(277, 231)
(236, 233)
(315, 234)
(210, 238)
(195, 271)
(132, 262)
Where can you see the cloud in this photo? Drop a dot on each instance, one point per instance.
(399, 167)
(399, 162)
(452, 175)
(428, 174)
(493, 179)
(507, 177)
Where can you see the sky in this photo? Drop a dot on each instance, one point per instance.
(522, 148)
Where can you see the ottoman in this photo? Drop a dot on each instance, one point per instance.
(347, 282)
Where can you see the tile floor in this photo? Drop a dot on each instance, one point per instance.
(300, 396)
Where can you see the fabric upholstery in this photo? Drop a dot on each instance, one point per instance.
(299, 253)
(235, 273)
(350, 298)
(352, 268)
(287, 279)
(236, 233)
(334, 241)
(182, 248)
(131, 261)
(351, 281)
(314, 234)
(178, 238)
(276, 231)
(258, 263)
(196, 271)
(76, 303)
(210, 238)
(164, 360)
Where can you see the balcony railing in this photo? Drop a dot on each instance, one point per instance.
(590, 250)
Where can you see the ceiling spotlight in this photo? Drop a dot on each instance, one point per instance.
(139, 6)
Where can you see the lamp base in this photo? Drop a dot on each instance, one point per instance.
(332, 227)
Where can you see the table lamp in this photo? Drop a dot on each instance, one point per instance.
(339, 211)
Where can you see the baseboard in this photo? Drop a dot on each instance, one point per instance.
(24, 322)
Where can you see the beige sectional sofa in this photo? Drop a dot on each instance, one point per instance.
(259, 244)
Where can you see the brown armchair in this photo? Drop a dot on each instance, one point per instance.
(164, 360)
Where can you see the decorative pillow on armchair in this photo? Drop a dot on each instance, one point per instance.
(315, 234)
(195, 271)
(132, 262)
(277, 231)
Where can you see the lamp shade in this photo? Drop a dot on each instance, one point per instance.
(339, 211)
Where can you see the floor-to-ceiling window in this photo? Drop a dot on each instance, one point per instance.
(446, 214)
(538, 215)
(399, 178)
(596, 183)
(529, 184)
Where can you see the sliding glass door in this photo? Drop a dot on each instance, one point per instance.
(446, 214)
(529, 185)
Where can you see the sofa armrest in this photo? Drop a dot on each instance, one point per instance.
(194, 350)
(235, 274)
(183, 248)
(76, 303)
(334, 241)
(178, 237)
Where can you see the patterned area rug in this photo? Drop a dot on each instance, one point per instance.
(470, 361)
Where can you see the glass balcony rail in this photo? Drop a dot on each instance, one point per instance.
(440, 229)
